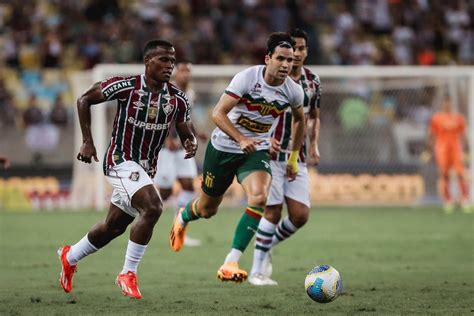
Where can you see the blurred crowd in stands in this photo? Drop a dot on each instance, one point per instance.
(81, 33)
(77, 34)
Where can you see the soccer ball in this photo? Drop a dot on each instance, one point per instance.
(323, 284)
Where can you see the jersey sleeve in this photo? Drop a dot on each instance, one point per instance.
(433, 126)
(316, 99)
(462, 125)
(297, 97)
(116, 87)
(239, 85)
(184, 109)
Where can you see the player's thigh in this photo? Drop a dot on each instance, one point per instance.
(117, 219)
(126, 179)
(185, 168)
(276, 193)
(298, 189)
(255, 174)
(166, 169)
(458, 164)
(147, 199)
(219, 169)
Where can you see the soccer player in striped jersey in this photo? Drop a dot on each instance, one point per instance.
(147, 106)
(271, 229)
(245, 117)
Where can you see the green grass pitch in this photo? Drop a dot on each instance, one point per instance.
(393, 261)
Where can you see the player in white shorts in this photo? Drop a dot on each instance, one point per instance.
(171, 163)
(271, 229)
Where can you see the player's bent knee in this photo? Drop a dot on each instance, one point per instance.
(299, 219)
(259, 199)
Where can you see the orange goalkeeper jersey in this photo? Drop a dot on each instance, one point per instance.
(447, 129)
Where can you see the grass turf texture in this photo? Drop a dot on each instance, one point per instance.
(393, 261)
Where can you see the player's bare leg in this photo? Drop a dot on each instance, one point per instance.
(256, 186)
(448, 205)
(149, 205)
(205, 206)
(464, 189)
(100, 235)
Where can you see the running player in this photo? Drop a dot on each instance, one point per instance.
(446, 137)
(245, 117)
(147, 105)
(272, 230)
(171, 163)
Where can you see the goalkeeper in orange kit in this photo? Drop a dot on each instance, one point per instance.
(447, 140)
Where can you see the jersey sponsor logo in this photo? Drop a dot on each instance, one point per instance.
(138, 105)
(264, 107)
(148, 126)
(134, 176)
(257, 88)
(209, 180)
(252, 125)
(119, 85)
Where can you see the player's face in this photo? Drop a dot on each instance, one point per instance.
(279, 63)
(447, 105)
(160, 64)
(301, 52)
(183, 72)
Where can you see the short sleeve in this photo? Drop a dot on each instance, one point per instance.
(239, 84)
(433, 125)
(297, 97)
(184, 109)
(116, 87)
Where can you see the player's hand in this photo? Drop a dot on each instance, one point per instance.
(87, 152)
(313, 155)
(249, 145)
(172, 144)
(291, 171)
(190, 147)
(275, 146)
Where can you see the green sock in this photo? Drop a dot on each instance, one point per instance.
(247, 227)
(189, 214)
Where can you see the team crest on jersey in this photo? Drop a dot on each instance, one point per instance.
(134, 176)
(167, 108)
(152, 112)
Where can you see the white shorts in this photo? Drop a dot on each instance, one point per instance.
(126, 179)
(297, 190)
(171, 166)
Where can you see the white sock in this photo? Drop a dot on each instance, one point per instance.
(263, 243)
(233, 256)
(183, 198)
(80, 250)
(133, 256)
(284, 230)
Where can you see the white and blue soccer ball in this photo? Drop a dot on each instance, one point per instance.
(323, 284)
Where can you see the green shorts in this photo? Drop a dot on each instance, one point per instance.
(220, 168)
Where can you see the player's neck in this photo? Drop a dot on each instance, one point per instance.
(295, 72)
(154, 85)
(271, 80)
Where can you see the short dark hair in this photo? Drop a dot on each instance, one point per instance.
(299, 33)
(279, 39)
(151, 45)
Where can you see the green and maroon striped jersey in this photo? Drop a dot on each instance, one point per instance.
(312, 96)
(142, 121)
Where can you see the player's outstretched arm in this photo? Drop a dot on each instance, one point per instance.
(219, 117)
(92, 96)
(188, 140)
(297, 137)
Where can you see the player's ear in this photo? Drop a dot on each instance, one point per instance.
(267, 59)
